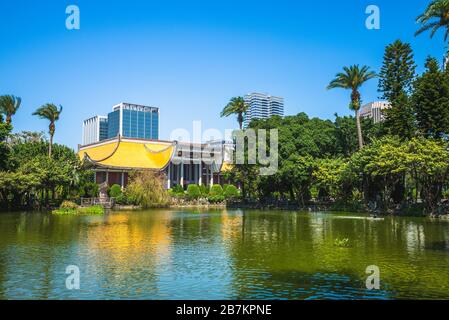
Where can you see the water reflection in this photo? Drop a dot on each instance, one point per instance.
(229, 254)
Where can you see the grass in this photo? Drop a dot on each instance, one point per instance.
(93, 210)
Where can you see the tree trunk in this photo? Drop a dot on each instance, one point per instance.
(50, 145)
(359, 129)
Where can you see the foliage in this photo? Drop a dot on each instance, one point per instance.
(193, 192)
(231, 192)
(147, 189)
(9, 105)
(51, 113)
(236, 106)
(216, 194)
(68, 205)
(177, 191)
(92, 210)
(115, 191)
(434, 18)
(395, 84)
(431, 101)
(352, 78)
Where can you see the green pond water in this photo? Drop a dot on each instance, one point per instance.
(225, 254)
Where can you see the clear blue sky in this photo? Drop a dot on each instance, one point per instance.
(190, 57)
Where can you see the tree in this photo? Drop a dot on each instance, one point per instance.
(9, 105)
(395, 84)
(398, 70)
(352, 79)
(51, 113)
(431, 101)
(5, 130)
(435, 16)
(236, 106)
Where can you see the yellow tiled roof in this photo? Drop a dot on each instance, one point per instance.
(129, 154)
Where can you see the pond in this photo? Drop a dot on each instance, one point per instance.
(222, 254)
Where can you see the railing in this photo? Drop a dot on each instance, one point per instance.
(105, 202)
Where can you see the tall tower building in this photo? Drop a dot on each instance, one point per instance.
(133, 121)
(262, 106)
(95, 129)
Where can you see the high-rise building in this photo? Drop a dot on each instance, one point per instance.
(374, 110)
(262, 106)
(133, 121)
(95, 129)
(128, 120)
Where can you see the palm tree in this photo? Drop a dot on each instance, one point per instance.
(436, 16)
(236, 106)
(9, 105)
(51, 113)
(352, 79)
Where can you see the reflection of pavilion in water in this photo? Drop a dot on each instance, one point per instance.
(121, 241)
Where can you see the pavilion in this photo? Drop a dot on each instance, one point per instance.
(181, 163)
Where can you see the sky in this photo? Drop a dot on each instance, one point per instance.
(190, 57)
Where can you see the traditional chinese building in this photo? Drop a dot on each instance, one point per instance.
(181, 163)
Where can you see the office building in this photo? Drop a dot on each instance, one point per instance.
(374, 110)
(133, 121)
(95, 129)
(262, 106)
(128, 120)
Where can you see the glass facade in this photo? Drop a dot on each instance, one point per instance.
(138, 122)
(113, 124)
(103, 129)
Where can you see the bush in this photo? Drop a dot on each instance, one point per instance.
(177, 191)
(193, 192)
(147, 188)
(216, 190)
(68, 205)
(204, 191)
(216, 194)
(231, 192)
(115, 191)
(93, 210)
(89, 190)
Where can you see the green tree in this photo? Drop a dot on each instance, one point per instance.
(352, 79)
(395, 84)
(9, 105)
(5, 130)
(428, 163)
(236, 106)
(431, 101)
(435, 17)
(52, 114)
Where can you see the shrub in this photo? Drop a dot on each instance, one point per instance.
(89, 190)
(177, 191)
(68, 205)
(231, 192)
(204, 190)
(115, 191)
(216, 190)
(93, 210)
(147, 189)
(216, 194)
(193, 192)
